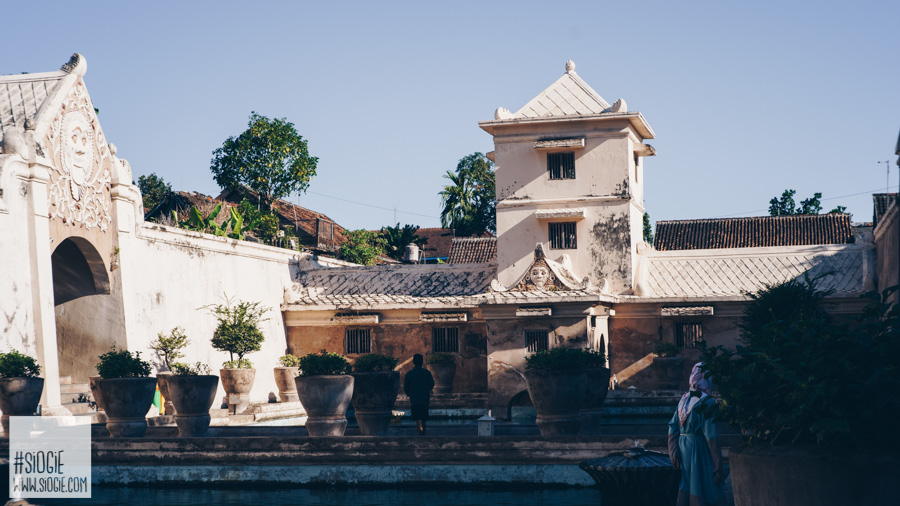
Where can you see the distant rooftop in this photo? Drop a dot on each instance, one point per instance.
(882, 202)
(761, 231)
(473, 250)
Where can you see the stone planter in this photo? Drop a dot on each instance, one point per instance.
(95, 392)
(325, 399)
(161, 378)
(596, 386)
(237, 384)
(668, 372)
(126, 402)
(19, 397)
(373, 399)
(557, 397)
(284, 378)
(765, 476)
(193, 396)
(443, 377)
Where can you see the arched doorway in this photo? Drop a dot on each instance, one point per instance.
(521, 410)
(78, 271)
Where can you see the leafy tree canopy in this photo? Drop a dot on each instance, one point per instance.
(648, 229)
(153, 190)
(396, 239)
(469, 201)
(362, 247)
(270, 157)
(784, 206)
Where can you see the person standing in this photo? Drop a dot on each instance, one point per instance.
(418, 385)
(694, 446)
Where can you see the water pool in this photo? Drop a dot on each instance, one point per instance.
(350, 496)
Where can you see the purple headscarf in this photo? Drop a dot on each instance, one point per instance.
(699, 382)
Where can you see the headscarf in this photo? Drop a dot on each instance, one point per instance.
(698, 383)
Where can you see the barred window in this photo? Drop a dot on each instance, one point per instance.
(561, 165)
(537, 340)
(445, 340)
(562, 236)
(358, 341)
(688, 335)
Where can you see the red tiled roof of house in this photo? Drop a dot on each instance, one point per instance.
(882, 202)
(473, 250)
(437, 242)
(760, 231)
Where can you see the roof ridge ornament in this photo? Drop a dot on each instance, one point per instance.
(76, 65)
(570, 67)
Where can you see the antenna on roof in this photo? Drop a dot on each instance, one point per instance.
(887, 179)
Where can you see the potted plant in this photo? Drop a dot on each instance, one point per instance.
(556, 384)
(193, 391)
(668, 365)
(375, 388)
(284, 378)
(20, 386)
(127, 392)
(815, 398)
(443, 367)
(325, 388)
(596, 387)
(168, 349)
(238, 333)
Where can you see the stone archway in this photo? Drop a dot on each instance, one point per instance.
(521, 408)
(78, 271)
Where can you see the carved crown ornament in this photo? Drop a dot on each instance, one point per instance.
(546, 275)
(80, 179)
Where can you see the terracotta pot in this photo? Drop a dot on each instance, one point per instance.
(668, 372)
(193, 396)
(374, 394)
(596, 387)
(284, 378)
(164, 391)
(237, 384)
(764, 476)
(443, 377)
(95, 392)
(325, 399)
(19, 397)
(126, 402)
(557, 397)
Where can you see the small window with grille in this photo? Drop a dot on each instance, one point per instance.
(445, 340)
(561, 165)
(562, 236)
(688, 334)
(358, 341)
(537, 340)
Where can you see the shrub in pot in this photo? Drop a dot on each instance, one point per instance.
(20, 386)
(375, 388)
(443, 368)
(284, 378)
(816, 399)
(596, 387)
(168, 349)
(127, 391)
(556, 385)
(668, 365)
(325, 388)
(193, 391)
(238, 333)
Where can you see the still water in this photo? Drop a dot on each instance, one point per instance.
(348, 496)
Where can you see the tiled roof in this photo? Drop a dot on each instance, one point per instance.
(539, 297)
(437, 242)
(21, 95)
(845, 269)
(568, 96)
(360, 287)
(762, 231)
(882, 203)
(473, 250)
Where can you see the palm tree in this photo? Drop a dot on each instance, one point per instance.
(469, 201)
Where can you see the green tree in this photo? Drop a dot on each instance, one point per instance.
(396, 239)
(238, 330)
(270, 158)
(648, 229)
(841, 210)
(785, 205)
(153, 190)
(469, 201)
(362, 247)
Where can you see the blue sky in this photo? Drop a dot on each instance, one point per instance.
(746, 98)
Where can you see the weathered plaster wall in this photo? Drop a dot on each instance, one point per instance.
(168, 275)
(400, 339)
(887, 251)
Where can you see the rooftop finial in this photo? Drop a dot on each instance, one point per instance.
(570, 67)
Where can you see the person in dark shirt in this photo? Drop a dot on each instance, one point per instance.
(418, 385)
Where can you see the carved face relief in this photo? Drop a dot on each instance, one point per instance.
(539, 276)
(77, 139)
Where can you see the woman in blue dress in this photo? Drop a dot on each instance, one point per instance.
(694, 446)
